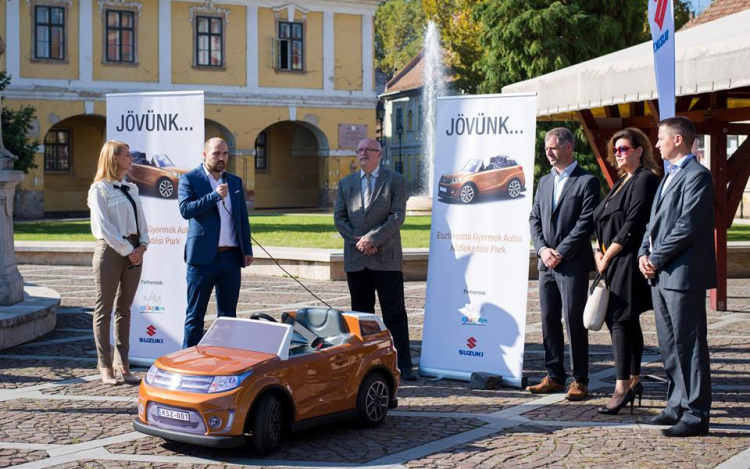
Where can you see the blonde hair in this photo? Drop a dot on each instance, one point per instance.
(107, 166)
(637, 139)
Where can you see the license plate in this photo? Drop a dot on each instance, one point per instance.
(443, 189)
(173, 414)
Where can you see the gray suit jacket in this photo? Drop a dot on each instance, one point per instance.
(381, 222)
(568, 227)
(681, 229)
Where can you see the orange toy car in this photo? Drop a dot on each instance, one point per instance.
(155, 174)
(500, 174)
(250, 379)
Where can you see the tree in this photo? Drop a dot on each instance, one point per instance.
(16, 125)
(399, 34)
(459, 32)
(523, 39)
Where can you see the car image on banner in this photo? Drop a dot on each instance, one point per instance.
(478, 178)
(155, 175)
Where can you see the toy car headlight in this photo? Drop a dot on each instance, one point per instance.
(453, 181)
(227, 383)
(151, 374)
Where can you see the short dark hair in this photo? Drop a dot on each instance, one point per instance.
(562, 135)
(680, 125)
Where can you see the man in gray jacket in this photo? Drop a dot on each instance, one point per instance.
(677, 256)
(369, 212)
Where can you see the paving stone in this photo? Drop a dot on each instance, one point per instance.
(530, 446)
(15, 457)
(342, 443)
(63, 422)
(564, 434)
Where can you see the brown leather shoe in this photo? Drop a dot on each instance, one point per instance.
(577, 391)
(545, 387)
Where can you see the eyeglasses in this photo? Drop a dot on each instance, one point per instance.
(362, 150)
(622, 150)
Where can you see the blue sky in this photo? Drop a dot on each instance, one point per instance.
(699, 5)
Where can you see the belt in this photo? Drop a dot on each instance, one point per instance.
(227, 248)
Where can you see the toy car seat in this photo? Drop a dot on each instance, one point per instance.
(324, 322)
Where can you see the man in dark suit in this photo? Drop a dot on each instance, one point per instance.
(677, 256)
(561, 226)
(218, 239)
(369, 212)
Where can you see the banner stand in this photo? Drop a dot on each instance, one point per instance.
(477, 277)
(519, 383)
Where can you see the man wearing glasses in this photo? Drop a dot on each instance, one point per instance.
(561, 226)
(369, 212)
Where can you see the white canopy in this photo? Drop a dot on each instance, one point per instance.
(710, 57)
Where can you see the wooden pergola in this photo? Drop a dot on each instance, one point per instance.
(713, 90)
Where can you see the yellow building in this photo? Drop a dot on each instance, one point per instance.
(289, 86)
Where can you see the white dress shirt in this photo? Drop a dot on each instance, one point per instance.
(560, 179)
(112, 215)
(677, 168)
(373, 181)
(227, 235)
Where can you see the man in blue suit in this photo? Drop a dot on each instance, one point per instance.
(218, 239)
(677, 256)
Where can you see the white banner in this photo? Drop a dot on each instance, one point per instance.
(661, 20)
(165, 135)
(477, 280)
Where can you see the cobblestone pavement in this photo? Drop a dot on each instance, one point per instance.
(54, 411)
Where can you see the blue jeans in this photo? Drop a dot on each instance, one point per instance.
(224, 274)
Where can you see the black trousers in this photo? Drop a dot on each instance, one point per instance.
(627, 344)
(564, 295)
(390, 288)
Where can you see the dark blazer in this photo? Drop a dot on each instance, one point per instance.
(621, 218)
(200, 204)
(568, 227)
(681, 228)
(381, 222)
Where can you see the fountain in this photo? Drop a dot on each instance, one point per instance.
(433, 87)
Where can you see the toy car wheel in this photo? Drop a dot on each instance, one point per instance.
(372, 400)
(165, 187)
(468, 193)
(267, 424)
(514, 188)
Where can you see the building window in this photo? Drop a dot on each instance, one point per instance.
(57, 150)
(419, 117)
(410, 120)
(209, 41)
(49, 32)
(290, 46)
(399, 121)
(261, 151)
(120, 36)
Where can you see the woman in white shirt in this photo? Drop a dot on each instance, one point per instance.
(118, 224)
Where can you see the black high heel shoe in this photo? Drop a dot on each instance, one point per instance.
(638, 390)
(628, 399)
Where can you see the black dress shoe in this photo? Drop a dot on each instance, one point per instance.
(661, 419)
(408, 375)
(682, 429)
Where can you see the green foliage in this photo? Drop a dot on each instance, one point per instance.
(16, 125)
(399, 34)
(527, 38)
(459, 33)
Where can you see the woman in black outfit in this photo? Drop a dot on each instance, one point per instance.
(621, 220)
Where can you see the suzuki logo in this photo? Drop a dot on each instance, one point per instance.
(151, 331)
(471, 343)
(660, 12)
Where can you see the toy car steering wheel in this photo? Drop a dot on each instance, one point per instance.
(263, 316)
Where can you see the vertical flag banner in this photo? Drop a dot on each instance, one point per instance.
(165, 135)
(661, 20)
(477, 279)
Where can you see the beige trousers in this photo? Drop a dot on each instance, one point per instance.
(115, 286)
